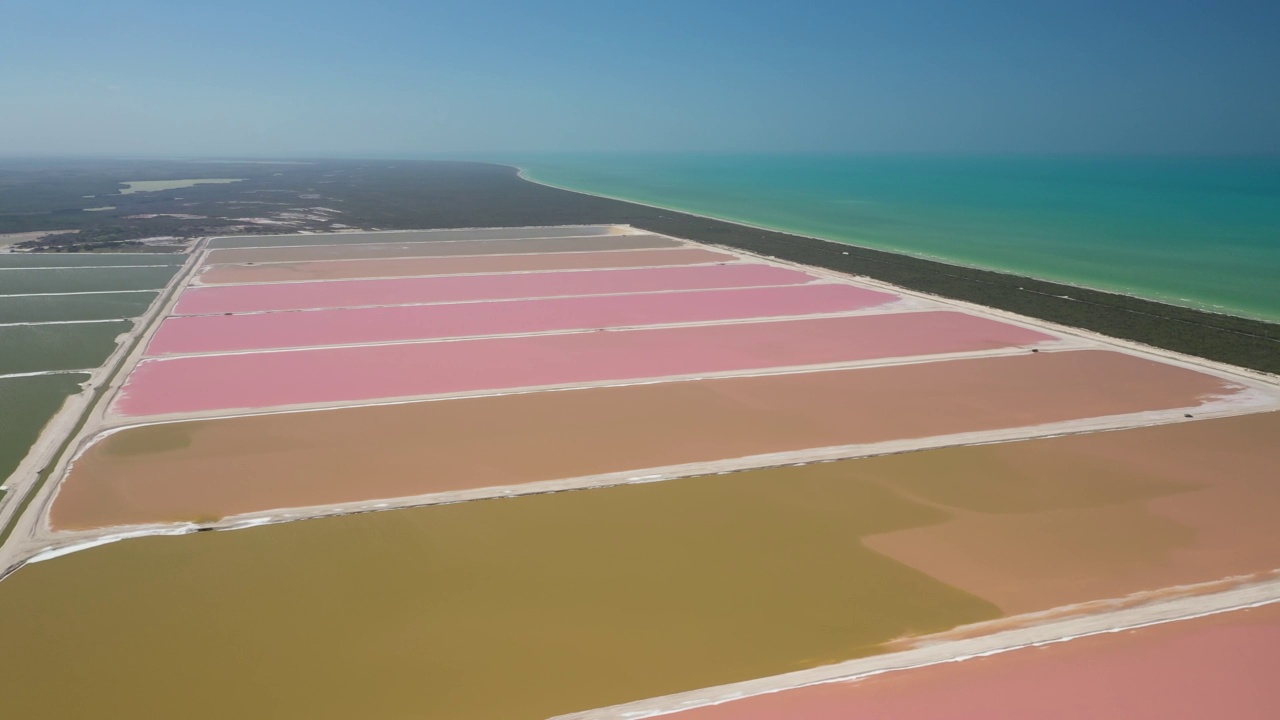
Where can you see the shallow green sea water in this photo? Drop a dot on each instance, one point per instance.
(1197, 232)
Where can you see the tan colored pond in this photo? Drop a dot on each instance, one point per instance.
(1044, 523)
(508, 609)
(217, 468)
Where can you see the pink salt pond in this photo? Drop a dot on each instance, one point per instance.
(1221, 666)
(464, 265)
(407, 291)
(271, 379)
(256, 331)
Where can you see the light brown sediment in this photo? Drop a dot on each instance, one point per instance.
(216, 468)
(1221, 665)
(1031, 635)
(1044, 523)
(516, 608)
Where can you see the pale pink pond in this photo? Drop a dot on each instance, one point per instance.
(399, 249)
(259, 380)
(406, 291)
(1222, 666)
(255, 331)
(468, 264)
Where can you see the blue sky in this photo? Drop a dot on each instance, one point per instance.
(285, 78)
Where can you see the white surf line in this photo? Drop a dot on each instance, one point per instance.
(502, 299)
(704, 263)
(759, 320)
(684, 245)
(81, 292)
(214, 248)
(38, 373)
(64, 322)
(86, 267)
(1154, 612)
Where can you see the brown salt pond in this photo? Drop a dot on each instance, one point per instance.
(511, 609)
(1044, 523)
(215, 468)
(392, 249)
(405, 267)
(1221, 666)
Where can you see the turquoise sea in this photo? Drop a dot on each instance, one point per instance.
(1199, 232)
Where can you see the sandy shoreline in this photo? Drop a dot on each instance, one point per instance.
(522, 174)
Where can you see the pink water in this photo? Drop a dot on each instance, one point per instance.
(259, 380)
(402, 291)
(1216, 667)
(215, 333)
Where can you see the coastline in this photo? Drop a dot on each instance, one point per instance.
(1114, 613)
(1103, 608)
(1232, 339)
(95, 421)
(523, 174)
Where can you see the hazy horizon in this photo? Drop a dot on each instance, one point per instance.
(286, 79)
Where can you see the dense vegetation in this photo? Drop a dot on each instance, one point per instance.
(404, 194)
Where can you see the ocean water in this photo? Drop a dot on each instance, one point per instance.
(1191, 231)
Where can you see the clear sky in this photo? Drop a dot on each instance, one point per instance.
(408, 77)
